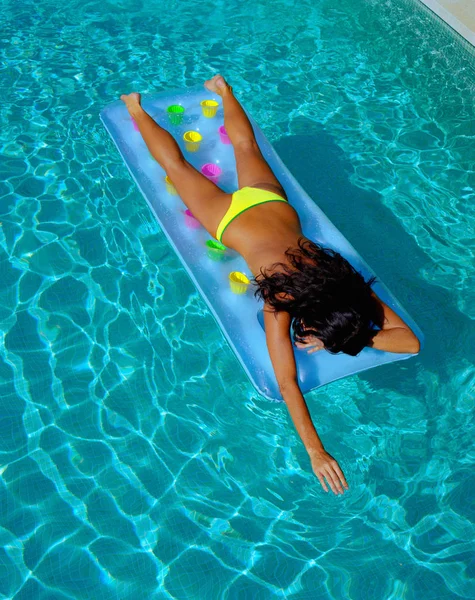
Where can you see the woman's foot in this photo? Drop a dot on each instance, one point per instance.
(218, 85)
(132, 102)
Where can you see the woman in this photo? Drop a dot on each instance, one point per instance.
(309, 289)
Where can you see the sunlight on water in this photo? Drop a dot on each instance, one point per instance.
(136, 459)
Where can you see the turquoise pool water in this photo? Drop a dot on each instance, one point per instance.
(136, 459)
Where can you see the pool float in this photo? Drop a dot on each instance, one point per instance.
(195, 118)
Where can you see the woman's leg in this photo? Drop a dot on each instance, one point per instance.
(207, 202)
(252, 169)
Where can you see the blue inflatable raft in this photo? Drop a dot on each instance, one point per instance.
(238, 315)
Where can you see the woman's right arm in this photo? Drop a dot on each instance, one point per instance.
(279, 343)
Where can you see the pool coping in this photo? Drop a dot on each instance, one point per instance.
(456, 13)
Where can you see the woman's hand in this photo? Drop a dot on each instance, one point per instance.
(312, 344)
(325, 467)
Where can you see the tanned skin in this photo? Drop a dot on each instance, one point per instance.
(261, 235)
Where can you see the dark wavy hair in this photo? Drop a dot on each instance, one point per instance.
(325, 297)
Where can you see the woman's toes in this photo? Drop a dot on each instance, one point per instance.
(131, 99)
(216, 84)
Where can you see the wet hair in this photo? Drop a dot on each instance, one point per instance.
(325, 297)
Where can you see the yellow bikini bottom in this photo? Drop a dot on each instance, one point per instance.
(242, 200)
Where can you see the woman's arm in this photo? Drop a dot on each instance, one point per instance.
(395, 336)
(277, 325)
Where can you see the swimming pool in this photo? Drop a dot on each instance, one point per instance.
(137, 461)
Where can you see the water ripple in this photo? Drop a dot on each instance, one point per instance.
(136, 459)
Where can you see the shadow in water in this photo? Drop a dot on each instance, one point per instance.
(323, 171)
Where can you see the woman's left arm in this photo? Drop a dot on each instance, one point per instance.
(395, 335)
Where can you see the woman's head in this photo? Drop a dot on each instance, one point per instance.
(325, 296)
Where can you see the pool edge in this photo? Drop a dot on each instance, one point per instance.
(454, 21)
